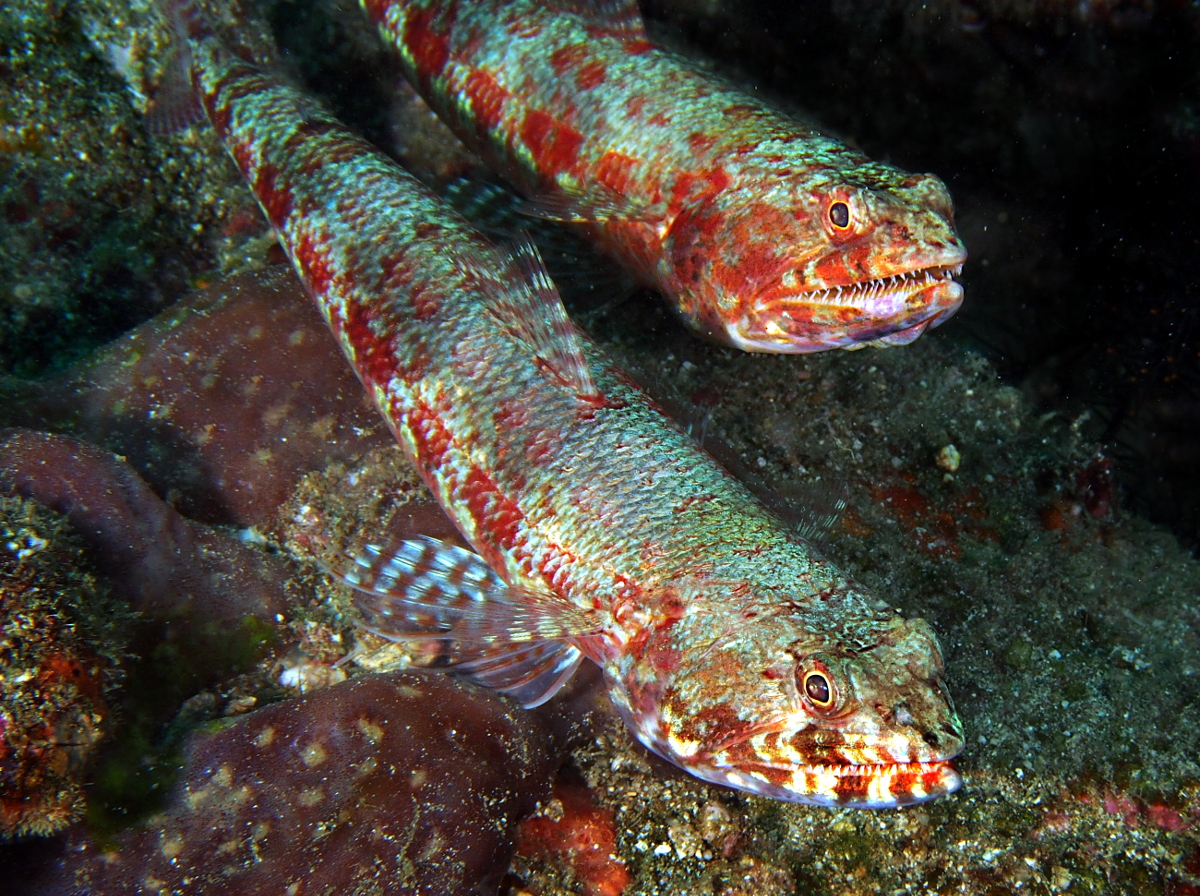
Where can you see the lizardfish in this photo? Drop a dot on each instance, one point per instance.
(599, 529)
(760, 231)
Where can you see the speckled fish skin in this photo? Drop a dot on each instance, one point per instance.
(729, 646)
(763, 233)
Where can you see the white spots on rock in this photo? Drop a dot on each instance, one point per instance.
(370, 730)
(172, 844)
(310, 797)
(313, 754)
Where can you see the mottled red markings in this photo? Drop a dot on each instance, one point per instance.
(635, 106)
(397, 283)
(591, 75)
(700, 143)
(852, 788)
(554, 147)
(426, 301)
(487, 100)
(243, 157)
(426, 230)
(493, 511)
(512, 414)
(312, 255)
(276, 199)
(638, 47)
(691, 501)
(429, 48)
(718, 727)
(334, 151)
(218, 112)
(859, 260)
(564, 59)
(658, 120)
(554, 567)
(931, 780)
(430, 436)
(614, 171)
(542, 446)
(307, 131)
(831, 271)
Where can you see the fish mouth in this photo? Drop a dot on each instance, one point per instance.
(883, 786)
(891, 310)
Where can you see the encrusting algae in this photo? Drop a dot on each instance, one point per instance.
(59, 663)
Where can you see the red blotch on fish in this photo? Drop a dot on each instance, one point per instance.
(276, 198)
(430, 49)
(554, 147)
(487, 99)
(493, 511)
(313, 255)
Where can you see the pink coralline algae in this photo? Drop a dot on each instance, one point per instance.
(396, 783)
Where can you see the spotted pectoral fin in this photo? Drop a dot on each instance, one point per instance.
(520, 641)
(527, 304)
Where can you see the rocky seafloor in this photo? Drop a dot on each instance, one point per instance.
(995, 473)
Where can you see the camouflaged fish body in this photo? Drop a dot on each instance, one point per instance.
(600, 528)
(761, 232)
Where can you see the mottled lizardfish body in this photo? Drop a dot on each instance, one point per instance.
(763, 233)
(600, 529)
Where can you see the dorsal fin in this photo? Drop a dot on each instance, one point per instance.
(595, 203)
(618, 18)
(528, 305)
(515, 640)
(174, 105)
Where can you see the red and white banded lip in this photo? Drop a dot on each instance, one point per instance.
(886, 786)
(891, 310)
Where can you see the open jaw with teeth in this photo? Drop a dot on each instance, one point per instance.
(886, 311)
(886, 786)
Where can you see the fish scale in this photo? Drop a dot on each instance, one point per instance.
(599, 527)
(760, 231)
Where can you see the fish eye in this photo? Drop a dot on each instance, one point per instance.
(839, 215)
(817, 687)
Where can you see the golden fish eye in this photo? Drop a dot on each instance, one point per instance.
(818, 689)
(839, 215)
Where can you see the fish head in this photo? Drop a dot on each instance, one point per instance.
(851, 255)
(774, 708)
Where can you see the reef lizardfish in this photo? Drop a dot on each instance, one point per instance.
(761, 232)
(599, 528)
